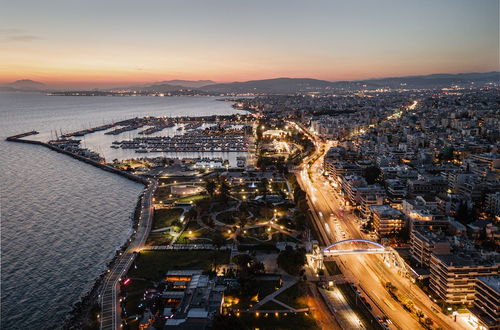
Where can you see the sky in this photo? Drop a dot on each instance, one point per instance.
(98, 43)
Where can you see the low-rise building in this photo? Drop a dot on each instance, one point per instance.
(427, 185)
(191, 299)
(387, 220)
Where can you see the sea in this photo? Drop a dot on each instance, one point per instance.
(62, 220)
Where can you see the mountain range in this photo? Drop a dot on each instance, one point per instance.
(296, 85)
(293, 85)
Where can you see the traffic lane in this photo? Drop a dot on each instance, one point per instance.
(321, 205)
(363, 276)
(388, 276)
(420, 300)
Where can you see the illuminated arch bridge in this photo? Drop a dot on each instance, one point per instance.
(333, 250)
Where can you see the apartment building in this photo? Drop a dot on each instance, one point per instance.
(387, 220)
(486, 310)
(453, 276)
(423, 243)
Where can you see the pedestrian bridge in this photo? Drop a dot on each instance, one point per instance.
(333, 250)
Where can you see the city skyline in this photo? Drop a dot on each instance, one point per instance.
(111, 44)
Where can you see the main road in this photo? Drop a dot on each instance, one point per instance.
(368, 272)
(110, 306)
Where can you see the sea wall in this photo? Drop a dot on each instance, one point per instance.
(81, 158)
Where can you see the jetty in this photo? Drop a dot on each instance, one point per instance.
(17, 137)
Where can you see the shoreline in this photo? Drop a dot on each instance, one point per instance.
(79, 316)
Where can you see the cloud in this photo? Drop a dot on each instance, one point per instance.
(17, 35)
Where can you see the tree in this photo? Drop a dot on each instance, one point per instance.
(463, 215)
(257, 267)
(291, 260)
(263, 187)
(218, 241)
(224, 190)
(447, 153)
(242, 260)
(419, 314)
(428, 321)
(210, 187)
(372, 174)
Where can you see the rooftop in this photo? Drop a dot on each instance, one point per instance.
(468, 259)
(491, 281)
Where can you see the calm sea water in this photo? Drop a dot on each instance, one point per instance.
(61, 220)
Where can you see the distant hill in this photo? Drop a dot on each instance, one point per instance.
(25, 85)
(187, 83)
(277, 85)
(294, 85)
(172, 85)
(433, 81)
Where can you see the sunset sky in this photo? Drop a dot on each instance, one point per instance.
(113, 43)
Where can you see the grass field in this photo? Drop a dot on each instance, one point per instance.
(262, 288)
(161, 238)
(293, 297)
(193, 198)
(152, 265)
(166, 217)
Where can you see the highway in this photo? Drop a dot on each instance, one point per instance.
(110, 306)
(368, 272)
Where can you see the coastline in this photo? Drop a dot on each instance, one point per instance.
(82, 311)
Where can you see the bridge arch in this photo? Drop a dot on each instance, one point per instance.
(380, 246)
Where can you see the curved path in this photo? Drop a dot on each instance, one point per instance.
(110, 307)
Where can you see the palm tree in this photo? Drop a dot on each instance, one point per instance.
(263, 187)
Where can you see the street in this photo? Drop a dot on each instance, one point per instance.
(110, 304)
(368, 272)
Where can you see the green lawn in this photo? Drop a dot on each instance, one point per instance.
(293, 297)
(154, 264)
(161, 238)
(228, 217)
(271, 322)
(166, 217)
(262, 288)
(232, 217)
(193, 198)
